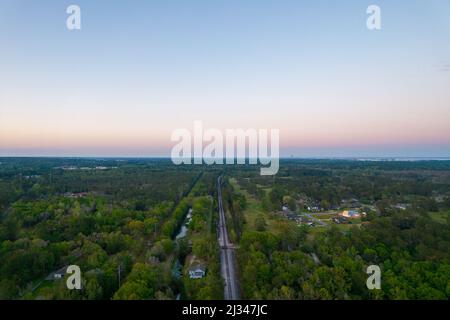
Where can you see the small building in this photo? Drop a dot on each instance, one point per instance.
(400, 206)
(153, 260)
(351, 214)
(291, 216)
(76, 195)
(197, 272)
(340, 220)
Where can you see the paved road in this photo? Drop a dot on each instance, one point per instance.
(227, 255)
(318, 221)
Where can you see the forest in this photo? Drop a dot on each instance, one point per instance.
(138, 227)
(293, 243)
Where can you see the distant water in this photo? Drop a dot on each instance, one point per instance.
(184, 228)
(403, 159)
(373, 158)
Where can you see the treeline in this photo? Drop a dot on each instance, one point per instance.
(410, 244)
(411, 250)
(204, 249)
(115, 237)
(329, 182)
(142, 183)
(234, 206)
(157, 277)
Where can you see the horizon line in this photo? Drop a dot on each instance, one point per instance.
(443, 158)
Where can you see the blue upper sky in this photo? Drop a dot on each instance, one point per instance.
(139, 69)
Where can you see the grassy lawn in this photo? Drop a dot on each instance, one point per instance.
(323, 216)
(253, 209)
(440, 216)
(342, 227)
(314, 231)
(265, 188)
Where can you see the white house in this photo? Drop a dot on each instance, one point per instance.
(197, 272)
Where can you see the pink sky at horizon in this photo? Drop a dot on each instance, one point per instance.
(312, 70)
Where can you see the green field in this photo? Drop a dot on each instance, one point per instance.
(253, 209)
(440, 216)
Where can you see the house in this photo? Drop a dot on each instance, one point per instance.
(153, 260)
(351, 214)
(76, 195)
(400, 206)
(58, 274)
(354, 203)
(299, 220)
(197, 272)
(340, 220)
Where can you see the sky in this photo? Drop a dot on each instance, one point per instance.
(138, 70)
